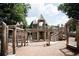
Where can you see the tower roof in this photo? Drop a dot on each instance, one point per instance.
(38, 19)
(41, 17)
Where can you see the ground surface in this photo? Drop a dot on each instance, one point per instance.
(38, 49)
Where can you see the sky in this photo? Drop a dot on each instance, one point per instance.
(49, 11)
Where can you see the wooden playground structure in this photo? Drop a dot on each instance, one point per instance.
(13, 36)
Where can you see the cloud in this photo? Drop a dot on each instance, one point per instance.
(34, 11)
(50, 13)
(50, 9)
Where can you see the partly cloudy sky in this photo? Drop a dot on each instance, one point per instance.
(49, 12)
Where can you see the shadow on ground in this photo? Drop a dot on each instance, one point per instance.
(70, 51)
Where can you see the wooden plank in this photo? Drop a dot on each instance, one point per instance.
(19, 28)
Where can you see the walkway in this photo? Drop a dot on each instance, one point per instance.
(39, 49)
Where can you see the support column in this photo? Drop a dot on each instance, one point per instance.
(49, 38)
(45, 35)
(67, 35)
(14, 40)
(3, 40)
(37, 36)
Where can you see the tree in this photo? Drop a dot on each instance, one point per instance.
(70, 9)
(11, 13)
(72, 24)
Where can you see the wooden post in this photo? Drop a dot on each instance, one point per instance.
(37, 36)
(21, 32)
(45, 35)
(3, 40)
(14, 40)
(38, 31)
(17, 37)
(7, 40)
(49, 38)
(67, 34)
(25, 36)
(77, 33)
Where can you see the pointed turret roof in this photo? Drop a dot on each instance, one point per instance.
(41, 17)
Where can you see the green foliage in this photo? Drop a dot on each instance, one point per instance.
(72, 24)
(70, 9)
(11, 13)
